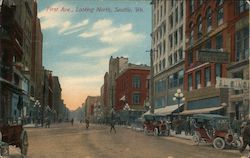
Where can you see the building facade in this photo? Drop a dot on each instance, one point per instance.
(168, 45)
(132, 89)
(209, 50)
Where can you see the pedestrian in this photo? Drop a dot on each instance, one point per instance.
(246, 136)
(87, 123)
(72, 121)
(112, 124)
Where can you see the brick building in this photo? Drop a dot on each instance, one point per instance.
(210, 47)
(132, 88)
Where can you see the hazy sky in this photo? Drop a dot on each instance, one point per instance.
(79, 36)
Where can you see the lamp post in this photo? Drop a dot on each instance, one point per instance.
(37, 106)
(179, 96)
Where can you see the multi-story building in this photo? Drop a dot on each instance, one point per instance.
(90, 103)
(132, 88)
(168, 45)
(210, 46)
(11, 54)
(115, 66)
(57, 96)
(239, 67)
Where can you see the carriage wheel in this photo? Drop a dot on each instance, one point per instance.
(196, 138)
(24, 143)
(219, 143)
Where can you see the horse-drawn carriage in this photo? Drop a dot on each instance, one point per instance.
(155, 124)
(215, 129)
(15, 135)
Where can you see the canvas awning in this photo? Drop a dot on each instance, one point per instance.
(202, 111)
(167, 110)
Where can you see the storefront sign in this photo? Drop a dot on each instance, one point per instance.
(212, 56)
(234, 83)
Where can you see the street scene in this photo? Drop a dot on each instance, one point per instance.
(65, 140)
(127, 78)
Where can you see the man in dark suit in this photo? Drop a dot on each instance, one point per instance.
(245, 136)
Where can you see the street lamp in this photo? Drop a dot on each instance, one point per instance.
(179, 96)
(37, 106)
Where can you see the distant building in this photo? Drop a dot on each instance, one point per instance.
(132, 88)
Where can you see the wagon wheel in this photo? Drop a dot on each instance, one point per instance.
(24, 143)
(219, 143)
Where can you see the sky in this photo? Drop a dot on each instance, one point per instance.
(80, 36)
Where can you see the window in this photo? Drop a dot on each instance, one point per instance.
(209, 19)
(181, 11)
(191, 6)
(161, 11)
(170, 41)
(190, 82)
(241, 6)
(199, 25)
(190, 58)
(136, 98)
(219, 41)
(176, 38)
(172, 3)
(242, 44)
(176, 15)
(136, 81)
(198, 79)
(160, 66)
(164, 63)
(181, 77)
(170, 60)
(180, 54)
(175, 79)
(171, 81)
(208, 77)
(181, 33)
(220, 16)
(171, 21)
(208, 44)
(191, 34)
(175, 57)
(164, 47)
(218, 70)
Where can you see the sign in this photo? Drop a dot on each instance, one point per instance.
(210, 55)
(234, 83)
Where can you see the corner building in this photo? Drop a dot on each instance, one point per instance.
(210, 29)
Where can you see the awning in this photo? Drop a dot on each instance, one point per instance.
(202, 111)
(167, 110)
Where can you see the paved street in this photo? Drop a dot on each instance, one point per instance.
(65, 141)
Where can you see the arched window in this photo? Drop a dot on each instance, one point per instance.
(199, 25)
(191, 33)
(209, 19)
(220, 12)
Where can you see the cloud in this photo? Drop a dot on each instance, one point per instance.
(68, 28)
(104, 52)
(52, 17)
(74, 51)
(113, 35)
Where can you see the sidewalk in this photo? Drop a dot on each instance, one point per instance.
(182, 135)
